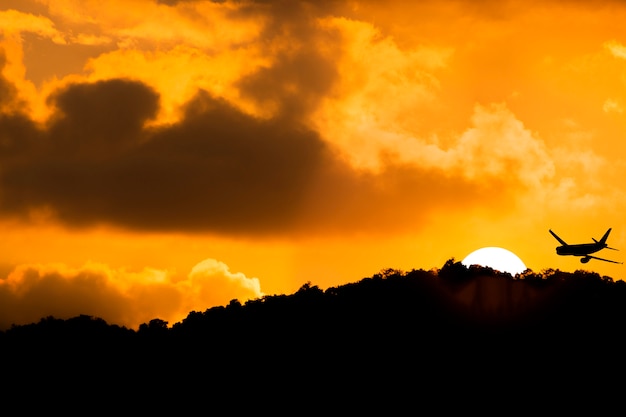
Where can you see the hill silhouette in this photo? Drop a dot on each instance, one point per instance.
(390, 333)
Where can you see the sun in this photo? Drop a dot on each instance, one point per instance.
(497, 258)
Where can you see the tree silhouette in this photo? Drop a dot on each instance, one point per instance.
(396, 325)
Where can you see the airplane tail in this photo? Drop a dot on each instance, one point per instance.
(604, 238)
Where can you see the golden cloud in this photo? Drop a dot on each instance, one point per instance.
(617, 49)
(376, 70)
(499, 145)
(178, 73)
(128, 298)
(218, 169)
(288, 117)
(13, 22)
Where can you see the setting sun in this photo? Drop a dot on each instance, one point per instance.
(497, 258)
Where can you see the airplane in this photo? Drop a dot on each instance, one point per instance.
(584, 249)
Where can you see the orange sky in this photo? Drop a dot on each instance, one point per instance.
(158, 157)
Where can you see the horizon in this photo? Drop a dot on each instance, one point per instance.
(478, 293)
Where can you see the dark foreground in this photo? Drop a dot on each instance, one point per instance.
(456, 339)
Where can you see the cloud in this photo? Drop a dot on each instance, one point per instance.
(244, 154)
(190, 67)
(617, 49)
(9, 100)
(381, 103)
(218, 169)
(612, 106)
(223, 171)
(212, 280)
(146, 23)
(13, 21)
(123, 297)
(304, 120)
(293, 86)
(264, 56)
(90, 39)
(499, 145)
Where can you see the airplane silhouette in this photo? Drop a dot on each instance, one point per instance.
(584, 249)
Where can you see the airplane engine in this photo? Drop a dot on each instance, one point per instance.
(585, 260)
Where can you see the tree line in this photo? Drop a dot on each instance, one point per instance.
(445, 325)
(391, 300)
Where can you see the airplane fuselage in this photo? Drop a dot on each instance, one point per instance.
(579, 249)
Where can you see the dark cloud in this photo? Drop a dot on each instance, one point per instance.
(304, 53)
(297, 17)
(401, 197)
(224, 170)
(30, 292)
(304, 68)
(18, 134)
(9, 100)
(293, 85)
(175, 2)
(40, 294)
(7, 90)
(217, 170)
(101, 118)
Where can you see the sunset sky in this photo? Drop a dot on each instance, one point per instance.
(163, 156)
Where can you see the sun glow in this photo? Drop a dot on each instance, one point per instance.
(497, 258)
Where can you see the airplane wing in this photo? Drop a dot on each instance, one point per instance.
(561, 241)
(605, 260)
